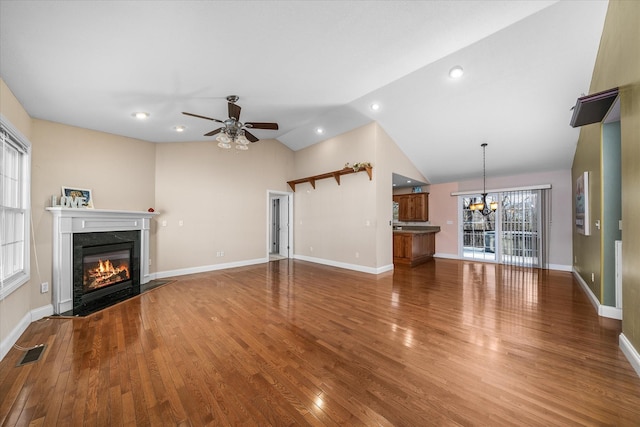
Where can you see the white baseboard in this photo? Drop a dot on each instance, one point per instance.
(205, 268)
(602, 310)
(355, 267)
(448, 256)
(23, 324)
(561, 267)
(630, 352)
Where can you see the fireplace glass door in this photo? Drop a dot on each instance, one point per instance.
(105, 269)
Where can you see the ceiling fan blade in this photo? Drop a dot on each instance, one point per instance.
(250, 136)
(213, 132)
(260, 125)
(234, 111)
(202, 117)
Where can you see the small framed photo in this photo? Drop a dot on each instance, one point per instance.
(416, 189)
(74, 192)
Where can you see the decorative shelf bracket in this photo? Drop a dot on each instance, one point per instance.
(335, 174)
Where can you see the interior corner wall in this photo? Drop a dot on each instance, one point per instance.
(618, 65)
(390, 160)
(586, 248)
(212, 203)
(16, 306)
(611, 208)
(336, 223)
(118, 170)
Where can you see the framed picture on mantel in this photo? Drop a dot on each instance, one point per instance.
(74, 192)
(582, 204)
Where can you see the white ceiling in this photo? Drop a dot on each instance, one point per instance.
(306, 64)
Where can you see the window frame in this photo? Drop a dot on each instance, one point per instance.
(23, 146)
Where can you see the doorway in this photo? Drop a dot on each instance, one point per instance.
(280, 233)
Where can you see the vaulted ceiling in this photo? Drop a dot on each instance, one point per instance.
(311, 64)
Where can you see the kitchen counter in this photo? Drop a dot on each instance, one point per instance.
(416, 230)
(414, 245)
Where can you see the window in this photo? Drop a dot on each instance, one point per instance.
(515, 234)
(15, 161)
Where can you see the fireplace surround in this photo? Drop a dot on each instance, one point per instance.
(80, 236)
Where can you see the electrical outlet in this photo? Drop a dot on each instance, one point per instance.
(221, 253)
(164, 223)
(310, 248)
(357, 254)
(44, 287)
(593, 277)
(180, 223)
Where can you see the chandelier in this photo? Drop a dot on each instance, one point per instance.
(481, 205)
(232, 135)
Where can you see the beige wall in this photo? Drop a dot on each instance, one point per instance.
(617, 65)
(337, 222)
(118, 170)
(349, 223)
(17, 305)
(221, 198)
(442, 208)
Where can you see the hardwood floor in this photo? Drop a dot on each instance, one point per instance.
(295, 343)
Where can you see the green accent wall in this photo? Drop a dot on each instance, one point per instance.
(617, 65)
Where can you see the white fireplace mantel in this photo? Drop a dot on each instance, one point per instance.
(69, 221)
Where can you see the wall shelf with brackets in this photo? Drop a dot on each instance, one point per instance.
(335, 174)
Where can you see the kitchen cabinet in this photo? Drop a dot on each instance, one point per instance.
(413, 247)
(412, 207)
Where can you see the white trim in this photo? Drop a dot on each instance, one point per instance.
(24, 148)
(447, 256)
(354, 267)
(289, 196)
(205, 268)
(602, 310)
(560, 267)
(23, 324)
(502, 190)
(630, 352)
(69, 221)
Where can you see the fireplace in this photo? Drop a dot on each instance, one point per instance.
(80, 236)
(105, 269)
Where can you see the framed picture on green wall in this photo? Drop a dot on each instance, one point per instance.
(582, 204)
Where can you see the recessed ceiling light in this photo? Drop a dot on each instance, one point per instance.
(141, 115)
(408, 181)
(456, 72)
(319, 131)
(179, 128)
(375, 106)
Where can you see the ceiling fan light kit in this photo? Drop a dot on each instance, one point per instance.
(233, 130)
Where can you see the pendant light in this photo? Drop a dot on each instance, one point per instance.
(481, 205)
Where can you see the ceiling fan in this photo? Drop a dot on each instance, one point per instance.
(233, 130)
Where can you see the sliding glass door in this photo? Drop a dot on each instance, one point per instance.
(513, 234)
(478, 231)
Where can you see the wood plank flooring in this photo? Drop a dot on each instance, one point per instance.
(295, 343)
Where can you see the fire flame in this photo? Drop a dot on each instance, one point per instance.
(107, 268)
(106, 273)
